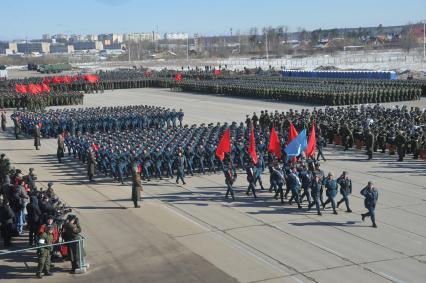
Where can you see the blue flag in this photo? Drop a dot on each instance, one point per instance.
(297, 145)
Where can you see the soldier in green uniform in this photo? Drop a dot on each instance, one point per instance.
(44, 253)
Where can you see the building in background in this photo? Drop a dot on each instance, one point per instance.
(33, 47)
(8, 48)
(110, 38)
(176, 36)
(141, 36)
(87, 45)
(61, 48)
(92, 37)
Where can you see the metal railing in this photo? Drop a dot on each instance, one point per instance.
(82, 263)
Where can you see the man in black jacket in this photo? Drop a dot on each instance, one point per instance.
(34, 219)
(7, 217)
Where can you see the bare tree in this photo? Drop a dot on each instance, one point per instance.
(408, 38)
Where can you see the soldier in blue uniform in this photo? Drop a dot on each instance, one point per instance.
(180, 160)
(250, 179)
(315, 192)
(371, 196)
(331, 192)
(345, 189)
(294, 184)
(230, 178)
(278, 181)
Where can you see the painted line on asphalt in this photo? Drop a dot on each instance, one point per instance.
(327, 249)
(390, 277)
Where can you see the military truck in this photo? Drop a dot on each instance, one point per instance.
(54, 68)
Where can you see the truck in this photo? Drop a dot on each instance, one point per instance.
(54, 68)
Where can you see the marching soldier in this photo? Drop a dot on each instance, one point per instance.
(331, 192)
(371, 196)
(345, 189)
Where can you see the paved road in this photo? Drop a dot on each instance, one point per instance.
(191, 234)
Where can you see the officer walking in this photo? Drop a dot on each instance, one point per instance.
(181, 168)
(371, 196)
(37, 137)
(136, 186)
(61, 148)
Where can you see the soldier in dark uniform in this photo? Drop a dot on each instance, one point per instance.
(345, 189)
(61, 148)
(136, 185)
(400, 142)
(180, 160)
(331, 192)
(3, 121)
(250, 179)
(91, 164)
(320, 145)
(371, 196)
(278, 179)
(295, 185)
(315, 193)
(230, 178)
(37, 136)
(369, 143)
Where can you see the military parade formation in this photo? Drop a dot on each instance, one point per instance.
(100, 119)
(140, 143)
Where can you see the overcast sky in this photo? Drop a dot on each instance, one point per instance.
(31, 18)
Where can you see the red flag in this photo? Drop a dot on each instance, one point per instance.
(67, 79)
(34, 88)
(95, 147)
(224, 145)
(45, 87)
(178, 77)
(20, 88)
(274, 144)
(312, 142)
(217, 72)
(56, 80)
(91, 78)
(252, 147)
(293, 133)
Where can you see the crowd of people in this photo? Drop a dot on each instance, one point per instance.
(25, 207)
(99, 119)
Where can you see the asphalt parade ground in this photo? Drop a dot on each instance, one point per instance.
(191, 233)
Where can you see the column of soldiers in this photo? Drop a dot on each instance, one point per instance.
(9, 98)
(313, 92)
(396, 130)
(99, 119)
